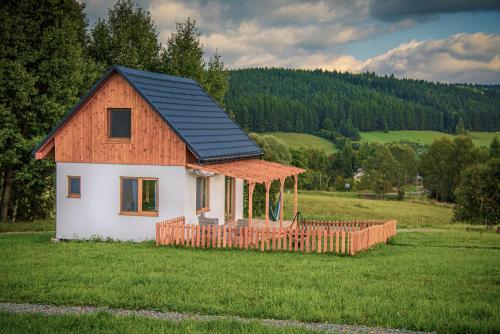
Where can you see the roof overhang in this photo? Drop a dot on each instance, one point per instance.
(251, 170)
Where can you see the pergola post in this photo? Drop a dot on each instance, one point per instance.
(268, 186)
(295, 191)
(282, 188)
(251, 187)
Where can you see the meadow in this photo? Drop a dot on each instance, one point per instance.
(423, 137)
(297, 140)
(440, 278)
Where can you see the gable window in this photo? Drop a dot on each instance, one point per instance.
(74, 186)
(139, 196)
(202, 190)
(119, 124)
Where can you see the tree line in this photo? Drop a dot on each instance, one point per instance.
(49, 58)
(275, 99)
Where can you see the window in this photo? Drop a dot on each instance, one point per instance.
(74, 186)
(202, 189)
(119, 126)
(139, 196)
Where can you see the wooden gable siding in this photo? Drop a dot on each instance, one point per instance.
(84, 138)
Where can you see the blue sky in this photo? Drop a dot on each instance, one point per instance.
(436, 40)
(442, 27)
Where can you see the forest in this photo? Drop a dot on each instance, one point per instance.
(290, 100)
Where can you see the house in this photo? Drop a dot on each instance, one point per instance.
(358, 175)
(142, 147)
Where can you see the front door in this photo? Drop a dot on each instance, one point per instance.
(229, 200)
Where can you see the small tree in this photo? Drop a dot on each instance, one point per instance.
(380, 170)
(495, 148)
(478, 195)
(406, 166)
(460, 129)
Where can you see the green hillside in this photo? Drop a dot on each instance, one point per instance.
(423, 137)
(297, 140)
(271, 100)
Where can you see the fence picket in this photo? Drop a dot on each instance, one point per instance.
(310, 236)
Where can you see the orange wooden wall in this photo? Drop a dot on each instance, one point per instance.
(84, 138)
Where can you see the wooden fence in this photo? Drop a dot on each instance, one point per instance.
(311, 236)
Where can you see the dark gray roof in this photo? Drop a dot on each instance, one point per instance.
(206, 129)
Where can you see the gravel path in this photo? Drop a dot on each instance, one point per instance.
(176, 316)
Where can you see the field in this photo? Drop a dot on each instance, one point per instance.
(423, 137)
(440, 278)
(330, 205)
(297, 140)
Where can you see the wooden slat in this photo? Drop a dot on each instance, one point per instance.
(84, 137)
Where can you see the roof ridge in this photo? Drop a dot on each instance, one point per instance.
(168, 77)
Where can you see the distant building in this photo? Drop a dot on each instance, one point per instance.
(358, 175)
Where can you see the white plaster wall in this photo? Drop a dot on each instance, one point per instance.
(216, 198)
(96, 213)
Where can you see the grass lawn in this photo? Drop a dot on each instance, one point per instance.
(444, 281)
(298, 140)
(342, 206)
(423, 137)
(104, 323)
(35, 226)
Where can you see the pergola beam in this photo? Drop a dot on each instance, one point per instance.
(256, 171)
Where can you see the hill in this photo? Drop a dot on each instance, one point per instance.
(297, 140)
(270, 100)
(423, 137)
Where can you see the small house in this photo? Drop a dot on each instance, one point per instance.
(142, 147)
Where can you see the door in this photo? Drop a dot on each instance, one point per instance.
(229, 199)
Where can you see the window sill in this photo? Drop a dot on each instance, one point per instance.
(143, 213)
(74, 196)
(119, 141)
(202, 210)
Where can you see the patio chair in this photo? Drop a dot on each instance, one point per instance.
(205, 221)
(242, 223)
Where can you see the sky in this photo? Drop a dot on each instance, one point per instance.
(435, 40)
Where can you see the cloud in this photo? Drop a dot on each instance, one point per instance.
(394, 10)
(314, 34)
(473, 58)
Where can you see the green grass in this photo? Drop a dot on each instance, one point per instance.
(444, 281)
(297, 140)
(423, 137)
(104, 323)
(35, 226)
(341, 206)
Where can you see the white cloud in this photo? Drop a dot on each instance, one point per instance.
(463, 57)
(313, 34)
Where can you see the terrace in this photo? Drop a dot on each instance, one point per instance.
(343, 237)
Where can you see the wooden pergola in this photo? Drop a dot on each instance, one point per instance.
(257, 171)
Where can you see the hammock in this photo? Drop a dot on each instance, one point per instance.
(274, 210)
